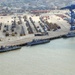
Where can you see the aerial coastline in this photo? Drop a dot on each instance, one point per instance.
(37, 37)
(21, 28)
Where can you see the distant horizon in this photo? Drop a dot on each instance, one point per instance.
(28, 4)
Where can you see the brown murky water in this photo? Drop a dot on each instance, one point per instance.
(54, 58)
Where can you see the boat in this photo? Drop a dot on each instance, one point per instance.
(37, 42)
(71, 34)
(9, 48)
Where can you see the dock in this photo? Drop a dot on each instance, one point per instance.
(28, 25)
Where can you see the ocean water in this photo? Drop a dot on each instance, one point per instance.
(54, 58)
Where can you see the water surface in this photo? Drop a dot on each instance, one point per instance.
(54, 58)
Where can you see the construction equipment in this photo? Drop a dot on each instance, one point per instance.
(71, 8)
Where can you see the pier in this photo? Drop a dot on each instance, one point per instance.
(27, 25)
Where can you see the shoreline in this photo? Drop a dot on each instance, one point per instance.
(35, 25)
